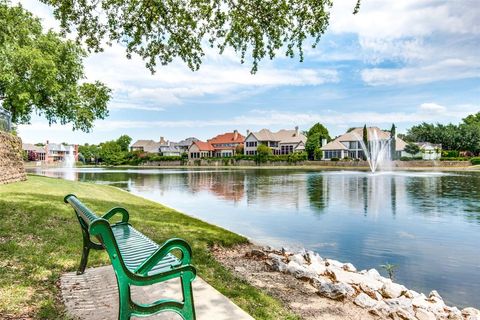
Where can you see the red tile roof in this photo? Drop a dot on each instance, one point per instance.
(204, 146)
(228, 137)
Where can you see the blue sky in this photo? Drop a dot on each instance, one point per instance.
(396, 61)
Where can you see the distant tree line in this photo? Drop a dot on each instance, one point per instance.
(462, 137)
(116, 152)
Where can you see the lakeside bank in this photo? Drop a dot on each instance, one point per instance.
(40, 239)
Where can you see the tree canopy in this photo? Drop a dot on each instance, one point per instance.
(315, 135)
(412, 148)
(160, 31)
(464, 136)
(42, 72)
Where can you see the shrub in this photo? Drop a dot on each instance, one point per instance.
(475, 161)
(334, 159)
(410, 158)
(455, 159)
(244, 157)
(450, 154)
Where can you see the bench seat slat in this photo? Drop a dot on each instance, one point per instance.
(135, 248)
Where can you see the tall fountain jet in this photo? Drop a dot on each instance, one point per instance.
(377, 151)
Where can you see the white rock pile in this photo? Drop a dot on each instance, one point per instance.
(366, 288)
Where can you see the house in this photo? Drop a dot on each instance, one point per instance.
(149, 146)
(281, 142)
(170, 149)
(226, 144)
(185, 144)
(428, 151)
(34, 152)
(61, 152)
(199, 149)
(52, 152)
(349, 145)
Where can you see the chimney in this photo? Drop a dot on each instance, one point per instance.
(296, 131)
(162, 140)
(324, 142)
(248, 132)
(235, 134)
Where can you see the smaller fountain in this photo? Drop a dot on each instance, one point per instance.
(377, 151)
(69, 160)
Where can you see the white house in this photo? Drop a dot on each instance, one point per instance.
(281, 142)
(428, 151)
(350, 144)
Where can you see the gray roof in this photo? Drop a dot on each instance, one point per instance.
(147, 145)
(173, 147)
(187, 142)
(32, 147)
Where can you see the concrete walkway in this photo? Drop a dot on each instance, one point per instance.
(94, 296)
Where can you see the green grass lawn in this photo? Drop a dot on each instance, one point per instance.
(40, 238)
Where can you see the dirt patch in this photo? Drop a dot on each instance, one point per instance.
(300, 296)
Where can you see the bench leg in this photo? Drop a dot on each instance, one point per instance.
(124, 310)
(83, 262)
(188, 311)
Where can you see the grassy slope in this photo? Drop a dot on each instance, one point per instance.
(40, 238)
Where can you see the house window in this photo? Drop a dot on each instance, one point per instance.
(251, 144)
(333, 154)
(353, 145)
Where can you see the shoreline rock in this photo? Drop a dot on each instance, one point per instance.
(367, 289)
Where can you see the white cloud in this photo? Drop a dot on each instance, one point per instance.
(448, 69)
(427, 40)
(432, 107)
(256, 119)
(170, 85)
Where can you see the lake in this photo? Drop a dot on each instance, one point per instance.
(427, 223)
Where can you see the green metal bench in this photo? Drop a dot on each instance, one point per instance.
(137, 260)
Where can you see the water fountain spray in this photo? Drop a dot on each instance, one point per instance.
(377, 151)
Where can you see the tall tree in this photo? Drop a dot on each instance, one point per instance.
(393, 142)
(160, 31)
(315, 135)
(42, 72)
(124, 142)
(472, 119)
(365, 138)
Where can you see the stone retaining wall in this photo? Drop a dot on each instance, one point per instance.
(11, 159)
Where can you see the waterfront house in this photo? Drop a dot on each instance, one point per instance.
(170, 149)
(225, 144)
(149, 146)
(199, 149)
(281, 142)
(186, 143)
(34, 152)
(51, 152)
(428, 151)
(349, 145)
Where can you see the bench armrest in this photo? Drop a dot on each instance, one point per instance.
(167, 247)
(114, 211)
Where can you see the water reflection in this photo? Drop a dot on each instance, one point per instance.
(428, 223)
